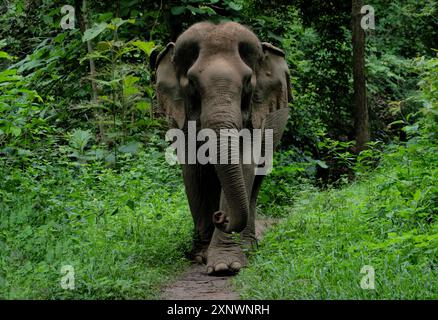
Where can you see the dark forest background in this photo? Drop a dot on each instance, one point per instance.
(84, 181)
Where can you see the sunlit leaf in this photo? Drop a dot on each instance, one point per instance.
(146, 47)
(94, 31)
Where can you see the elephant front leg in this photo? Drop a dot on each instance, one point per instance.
(203, 192)
(225, 254)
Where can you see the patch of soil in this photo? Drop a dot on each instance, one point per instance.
(196, 284)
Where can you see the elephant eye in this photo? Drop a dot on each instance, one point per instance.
(186, 55)
(248, 53)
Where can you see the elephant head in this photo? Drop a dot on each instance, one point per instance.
(223, 77)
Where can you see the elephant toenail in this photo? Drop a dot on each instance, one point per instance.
(236, 266)
(199, 259)
(210, 270)
(220, 267)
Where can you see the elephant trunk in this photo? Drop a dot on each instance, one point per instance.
(233, 185)
(221, 109)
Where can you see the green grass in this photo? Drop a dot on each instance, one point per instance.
(124, 233)
(387, 220)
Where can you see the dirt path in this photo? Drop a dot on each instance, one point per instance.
(195, 284)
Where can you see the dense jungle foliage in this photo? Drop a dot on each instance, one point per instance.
(84, 183)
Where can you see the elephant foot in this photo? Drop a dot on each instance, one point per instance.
(249, 245)
(199, 252)
(200, 256)
(249, 240)
(225, 259)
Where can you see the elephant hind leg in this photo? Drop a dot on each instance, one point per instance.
(199, 249)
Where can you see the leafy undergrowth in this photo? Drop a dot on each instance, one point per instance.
(386, 220)
(124, 233)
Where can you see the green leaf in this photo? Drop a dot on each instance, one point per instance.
(104, 16)
(110, 159)
(24, 152)
(16, 131)
(235, 6)
(143, 106)
(5, 55)
(94, 55)
(129, 88)
(207, 10)
(396, 122)
(103, 46)
(9, 75)
(131, 204)
(274, 36)
(3, 43)
(131, 147)
(322, 164)
(93, 32)
(79, 139)
(117, 22)
(146, 47)
(149, 91)
(31, 64)
(177, 10)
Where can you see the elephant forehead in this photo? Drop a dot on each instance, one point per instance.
(218, 42)
(218, 36)
(229, 33)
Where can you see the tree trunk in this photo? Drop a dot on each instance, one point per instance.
(83, 25)
(360, 109)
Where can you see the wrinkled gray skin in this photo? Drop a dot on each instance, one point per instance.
(223, 77)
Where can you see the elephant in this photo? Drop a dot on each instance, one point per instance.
(223, 77)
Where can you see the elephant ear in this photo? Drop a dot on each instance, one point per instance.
(272, 92)
(169, 95)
